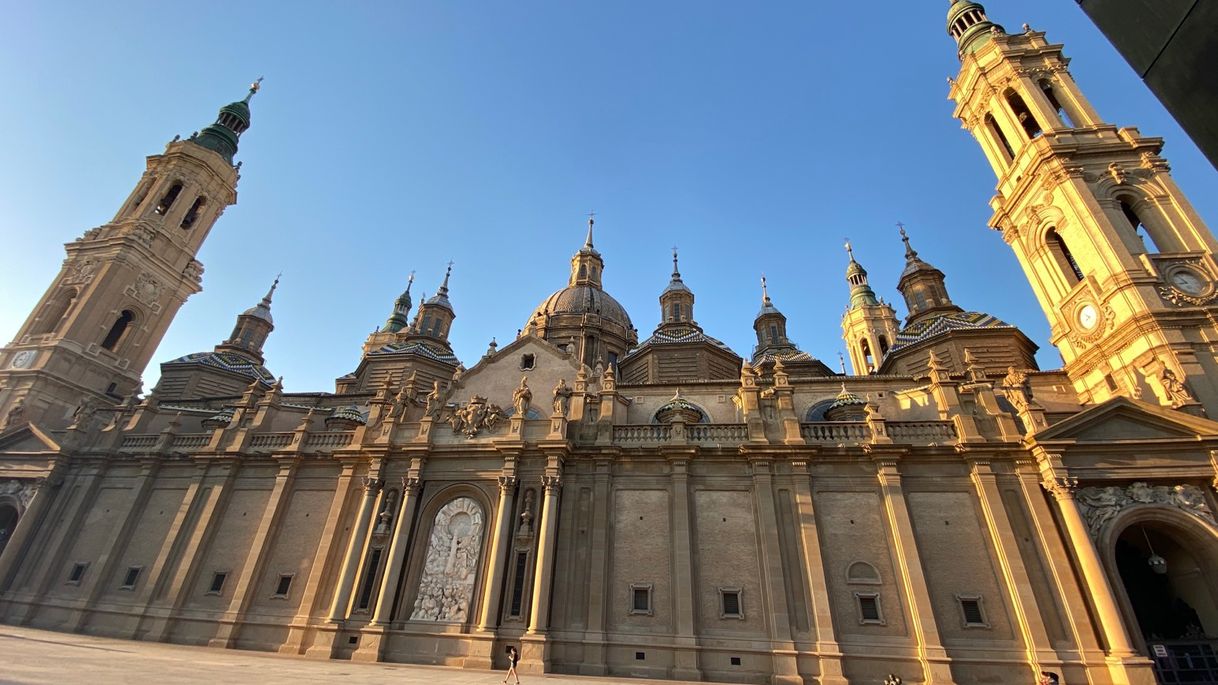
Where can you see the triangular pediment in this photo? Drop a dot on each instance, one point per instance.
(496, 377)
(27, 439)
(1122, 418)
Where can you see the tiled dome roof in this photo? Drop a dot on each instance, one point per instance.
(584, 299)
(229, 361)
(955, 321)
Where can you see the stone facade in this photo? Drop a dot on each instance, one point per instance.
(664, 509)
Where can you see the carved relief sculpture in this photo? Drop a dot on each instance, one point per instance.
(1175, 388)
(526, 514)
(435, 401)
(1099, 505)
(477, 415)
(447, 586)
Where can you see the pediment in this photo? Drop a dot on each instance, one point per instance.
(496, 377)
(1125, 419)
(27, 439)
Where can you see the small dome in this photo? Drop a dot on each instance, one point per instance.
(680, 409)
(347, 417)
(583, 299)
(847, 407)
(260, 311)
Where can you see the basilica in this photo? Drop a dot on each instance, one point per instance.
(656, 505)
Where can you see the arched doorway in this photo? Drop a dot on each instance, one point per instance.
(8, 522)
(1168, 573)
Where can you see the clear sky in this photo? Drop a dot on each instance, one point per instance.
(395, 136)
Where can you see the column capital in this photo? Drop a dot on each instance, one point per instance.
(1061, 487)
(410, 483)
(551, 482)
(506, 483)
(371, 485)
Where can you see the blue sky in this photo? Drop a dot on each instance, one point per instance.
(392, 137)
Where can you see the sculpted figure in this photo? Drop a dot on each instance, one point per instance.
(522, 398)
(526, 514)
(1176, 390)
(562, 393)
(435, 401)
(16, 415)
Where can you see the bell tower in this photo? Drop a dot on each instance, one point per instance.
(1120, 262)
(869, 326)
(95, 330)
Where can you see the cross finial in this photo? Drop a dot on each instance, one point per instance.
(267, 300)
(676, 273)
(910, 253)
(254, 88)
(849, 249)
(841, 361)
(591, 221)
(765, 295)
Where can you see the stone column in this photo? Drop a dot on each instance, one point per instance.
(686, 653)
(192, 554)
(1014, 575)
(355, 548)
(500, 544)
(372, 638)
(539, 614)
(259, 550)
(1089, 565)
(778, 612)
(827, 648)
(322, 568)
(594, 637)
(914, 590)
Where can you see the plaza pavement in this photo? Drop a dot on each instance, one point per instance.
(29, 656)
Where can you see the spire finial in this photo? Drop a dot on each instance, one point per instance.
(849, 249)
(676, 273)
(267, 300)
(910, 253)
(410, 280)
(444, 286)
(841, 361)
(591, 221)
(765, 295)
(254, 88)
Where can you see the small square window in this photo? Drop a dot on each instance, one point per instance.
(131, 577)
(284, 584)
(869, 608)
(735, 660)
(527, 361)
(640, 656)
(972, 611)
(217, 582)
(77, 572)
(730, 605)
(640, 599)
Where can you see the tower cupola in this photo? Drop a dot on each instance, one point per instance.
(436, 314)
(861, 294)
(587, 265)
(967, 23)
(400, 317)
(233, 120)
(677, 300)
(923, 286)
(253, 327)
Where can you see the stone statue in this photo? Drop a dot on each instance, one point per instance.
(562, 393)
(435, 401)
(522, 398)
(458, 373)
(16, 415)
(1175, 388)
(526, 514)
(1015, 386)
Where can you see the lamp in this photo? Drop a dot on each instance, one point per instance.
(1157, 563)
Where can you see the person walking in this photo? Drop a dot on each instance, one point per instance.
(513, 659)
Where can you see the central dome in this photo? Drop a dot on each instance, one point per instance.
(583, 299)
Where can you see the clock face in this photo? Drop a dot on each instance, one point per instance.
(1088, 316)
(1187, 282)
(22, 359)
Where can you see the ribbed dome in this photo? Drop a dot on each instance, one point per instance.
(584, 299)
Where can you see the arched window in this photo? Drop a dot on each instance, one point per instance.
(868, 361)
(1022, 114)
(192, 214)
(1051, 96)
(774, 333)
(55, 310)
(1063, 257)
(168, 198)
(883, 346)
(999, 136)
(583, 271)
(142, 194)
(1139, 227)
(118, 331)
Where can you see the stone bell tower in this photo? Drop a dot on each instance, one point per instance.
(1121, 263)
(96, 328)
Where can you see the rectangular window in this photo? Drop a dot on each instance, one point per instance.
(518, 578)
(640, 599)
(365, 595)
(77, 572)
(972, 612)
(131, 577)
(285, 584)
(729, 603)
(869, 608)
(217, 582)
